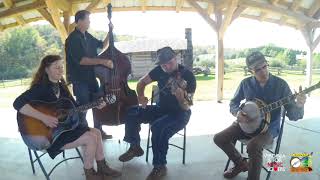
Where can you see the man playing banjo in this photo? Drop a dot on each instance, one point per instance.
(267, 88)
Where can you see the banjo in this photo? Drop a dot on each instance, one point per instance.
(259, 112)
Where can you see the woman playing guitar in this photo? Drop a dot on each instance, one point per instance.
(48, 85)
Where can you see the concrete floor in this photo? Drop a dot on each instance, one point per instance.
(204, 160)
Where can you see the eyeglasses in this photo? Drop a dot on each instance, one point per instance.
(260, 69)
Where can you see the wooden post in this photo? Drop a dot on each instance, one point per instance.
(188, 56)
(309, 66)
(219, 67)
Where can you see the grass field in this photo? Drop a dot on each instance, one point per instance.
(206, 87)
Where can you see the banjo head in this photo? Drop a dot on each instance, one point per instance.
(252, 109)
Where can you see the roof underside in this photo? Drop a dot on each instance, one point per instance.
(293, 13)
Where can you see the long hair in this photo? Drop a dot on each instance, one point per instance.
(41, 76)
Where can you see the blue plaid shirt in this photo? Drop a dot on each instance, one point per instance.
(274, 90)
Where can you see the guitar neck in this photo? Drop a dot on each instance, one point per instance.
(87, 106)
(287, 100)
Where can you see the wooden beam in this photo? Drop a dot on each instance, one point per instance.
(16, 24)
(106, 2)
(66, 20)
(228, 16)
(93, 5)
(203, 14)
(269, 20)
(237, 12)
(143, 4)
(263, 16)
(54, 11)
(275, 9)
(283, 20)
(8, 3)
(315, 43)
(64, 5)
(22, 9)
(295, 5)
(274, 2)
(179, 4)
(314, 8)
(314, 24)
(148, 8)
(46, 15)
(210, 8)
(20, 20)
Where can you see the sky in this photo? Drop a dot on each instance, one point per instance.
(242, 33)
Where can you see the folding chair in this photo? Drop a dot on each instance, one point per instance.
(154, 100)
(269, 147)
(38, 159)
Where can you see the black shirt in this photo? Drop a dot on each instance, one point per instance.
(167, 101)
(77, 46)
(40, 92)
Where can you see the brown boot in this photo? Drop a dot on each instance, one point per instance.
(241, 167)
(157, 173)
(134, 151)
(91, 174)
(105, 170)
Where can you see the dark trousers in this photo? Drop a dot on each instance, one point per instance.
(163, 126)
(226, 139)
(85, 93)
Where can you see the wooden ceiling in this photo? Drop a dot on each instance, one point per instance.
(293, 13)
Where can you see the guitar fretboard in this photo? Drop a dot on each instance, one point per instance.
(87, 106)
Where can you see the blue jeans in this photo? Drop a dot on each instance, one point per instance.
(163, 126)
(84, 93)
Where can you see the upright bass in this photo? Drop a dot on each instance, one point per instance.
(119, 97)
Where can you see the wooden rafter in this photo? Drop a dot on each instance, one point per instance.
(9, 4)
(64, 5)
(22, 9)
(210, 8)
(269, 20)
(204, 14)
(6, 26)
(179, 4)
(295, 5)
(274, 2)
(46, 15)
(54, 11)
(283, 20)
(271, 8)
(228, 16)
(263, 15)
(314, 7)
(237, 12)
(93, 5)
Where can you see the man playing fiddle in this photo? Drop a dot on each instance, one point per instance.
(171, 114)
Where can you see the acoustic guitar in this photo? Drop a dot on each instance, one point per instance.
(63, 109)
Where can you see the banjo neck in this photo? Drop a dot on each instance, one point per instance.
(286, 100)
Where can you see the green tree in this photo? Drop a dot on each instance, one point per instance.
(20, 53)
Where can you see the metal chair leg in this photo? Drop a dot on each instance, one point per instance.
(41, 165)
(31, 161)
(79, 155)
(184, 147)
(148, 145)
(227, 165)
